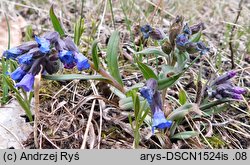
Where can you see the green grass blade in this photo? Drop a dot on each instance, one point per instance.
(112, 57)
(65, 77)
(55, 21)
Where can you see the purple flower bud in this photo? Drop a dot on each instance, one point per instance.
(223, 78)
(187, 30)
(196, 28)
(18, 74)
(60, 45)
(238, 90)
(70, 44)
(146, 29)
(160, 121)
(81, 61)
(156, 34)
(231, 95)
(52, 37)
(27, 82)
(43, 44)
(181, 41)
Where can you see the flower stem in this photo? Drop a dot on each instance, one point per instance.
(106, 75)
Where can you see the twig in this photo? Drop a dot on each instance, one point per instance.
(232, 35)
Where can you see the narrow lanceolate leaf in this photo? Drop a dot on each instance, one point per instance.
(196, 37)
(146, 71)
(155, 51)
(95, 55)
(185, 135)
(168, 82)
(112, 57)
(55, 21)
(65, 77)
(182, 97)
(136, 103)
(181, 112)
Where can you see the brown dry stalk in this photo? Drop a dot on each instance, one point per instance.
(232, 35)
(36, 96)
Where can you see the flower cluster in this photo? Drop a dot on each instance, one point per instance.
(43, 54)
(154, 33)
(183, 42)
(179, 36)
(222, 87)
(153, 97)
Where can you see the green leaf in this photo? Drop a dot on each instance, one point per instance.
(182, 97)
(112, 57)
(65, 77)
(136, 103)
(185, 135)
(95, 57)
(25, 106)
(146, 71)
(168, 82)
(181, 112)
(182, 59)
(196, 37)
(127, 103)
(214, 103)
(78, 30)
(155, 51)
(55, 21)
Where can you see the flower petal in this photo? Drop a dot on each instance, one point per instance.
(18, 74)
(159, 120)
(43, 44)
(12, 53)
(81, 61)
(27, 82)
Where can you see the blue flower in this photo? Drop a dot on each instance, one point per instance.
(12, 53)
(146, 29)
(187, 30)
(81, 61)
(159, 121)
(25, 59)
(43, 44)
(153, 97)
(18, 74)
(67, 59)
(27, 82)
(147, 93)
(202, 48)
(181, 40)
